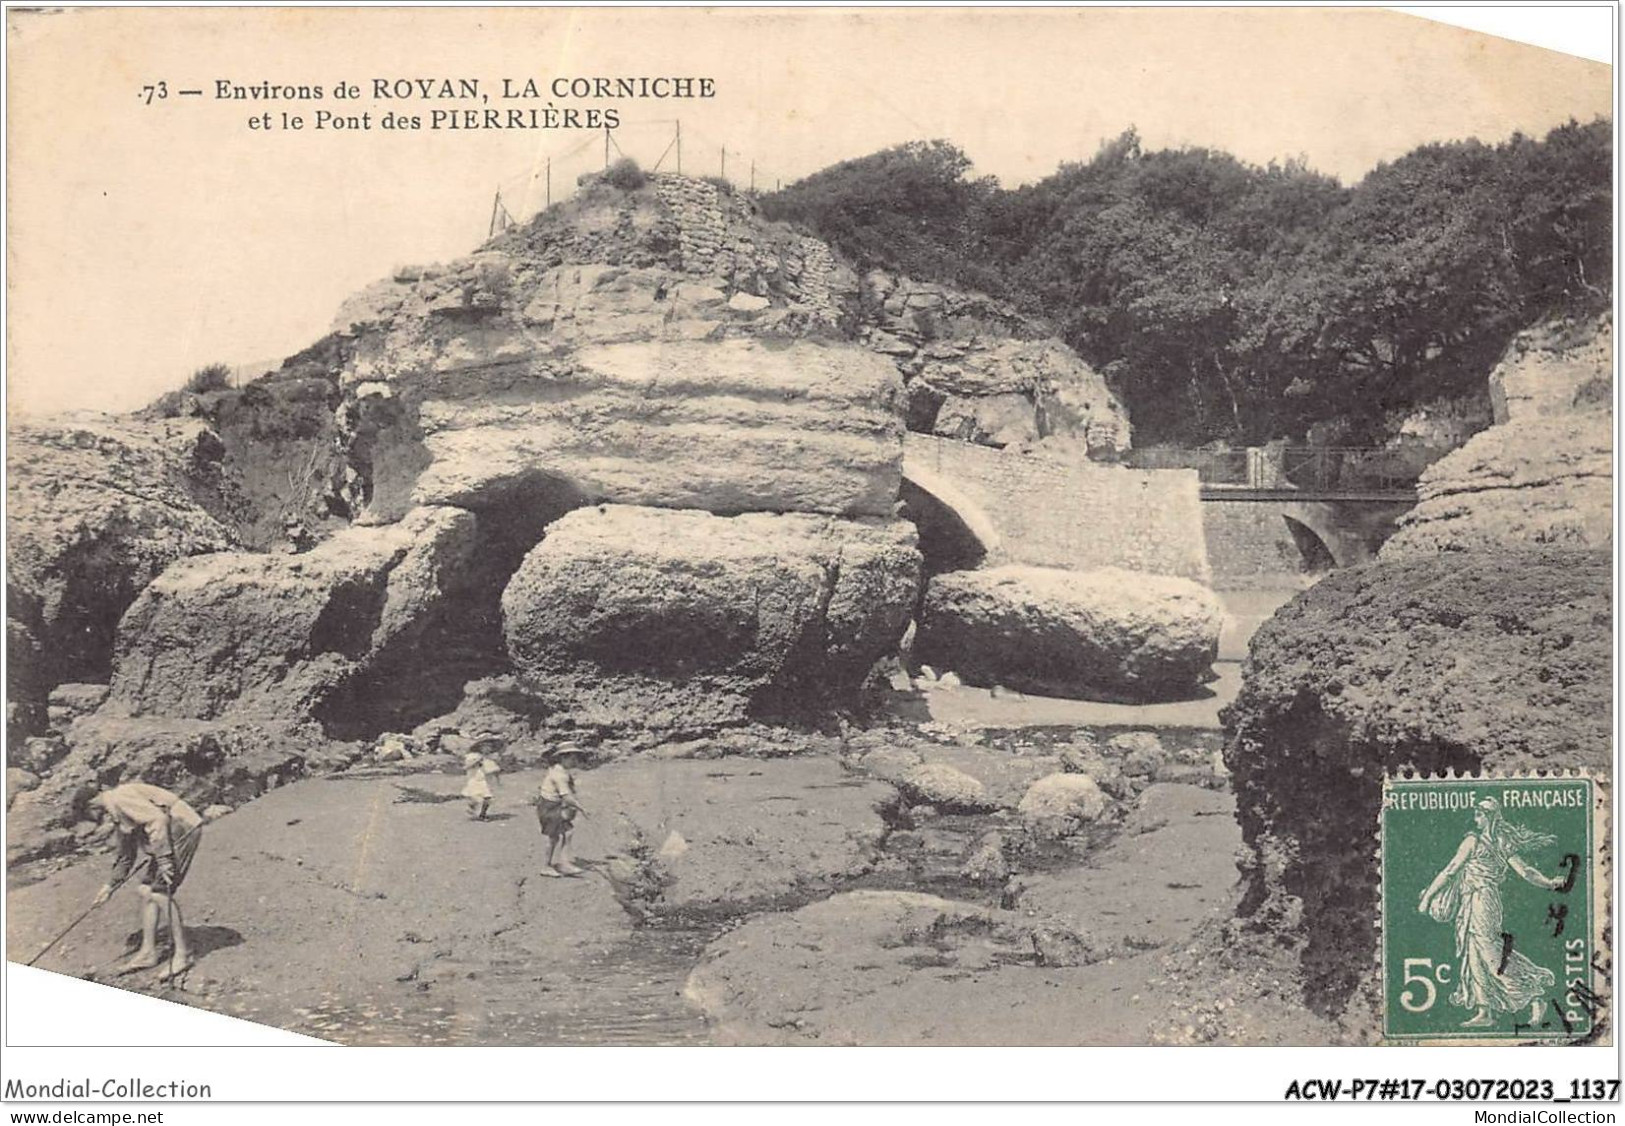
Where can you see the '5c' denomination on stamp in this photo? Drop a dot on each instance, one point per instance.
(1492, 899)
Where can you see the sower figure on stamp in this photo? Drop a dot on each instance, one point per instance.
(1490, 978)
(556, 809)
(152, 821)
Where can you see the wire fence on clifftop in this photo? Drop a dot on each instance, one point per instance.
(657, 146)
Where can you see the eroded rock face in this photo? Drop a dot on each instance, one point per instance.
(980, 371)
(684, 619)
(283, 637)
(1467, 662)
(97, 507)
(1544, 473)
(1556, 368)
(730, 426)
(1107, 634)
(661, 346)
(1541, 481)
(203, 760)
(944, 787)
(667, 347)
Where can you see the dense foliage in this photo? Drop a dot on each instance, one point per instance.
(1236, 303)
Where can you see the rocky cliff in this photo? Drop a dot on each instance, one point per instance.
(1481, 641)
(98, 507)
(665, 346)
(1467, 662)
(1544, 473)
(635, 461)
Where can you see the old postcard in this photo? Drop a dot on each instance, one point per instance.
(812, 527)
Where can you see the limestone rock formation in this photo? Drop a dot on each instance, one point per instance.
(729, 426)
(666, 346)
(661, 346)
(1544, 473)
(1559, 367)
(1106, 634)
(725, 834)
(97, 507)
(980, 371)
(1483, 661)
(686, 619)
(287, 638)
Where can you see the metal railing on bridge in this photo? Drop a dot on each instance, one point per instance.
(1311, 469)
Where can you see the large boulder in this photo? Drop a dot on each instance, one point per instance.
(1477, 662)
(97, 507)
(285, 638)
(1106, 634)
(1555, 368)
(643, 616)
(1062, 804)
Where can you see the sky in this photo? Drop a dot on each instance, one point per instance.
(148, 238)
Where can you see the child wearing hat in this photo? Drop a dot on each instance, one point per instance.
(481, 771)
(556, 809)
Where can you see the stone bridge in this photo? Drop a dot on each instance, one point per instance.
(976, 505)
(1257, 536)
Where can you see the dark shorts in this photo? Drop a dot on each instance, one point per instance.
(185, 848)
(554, 817)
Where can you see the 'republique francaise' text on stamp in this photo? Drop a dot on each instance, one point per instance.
(1492, 896)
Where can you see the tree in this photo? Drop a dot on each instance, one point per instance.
(1238, 303)
(909, 208)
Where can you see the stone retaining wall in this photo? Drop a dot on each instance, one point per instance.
(1047, 511)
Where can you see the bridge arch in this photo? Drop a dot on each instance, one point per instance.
(1254, 534)
(955, 533)
(1317, 554)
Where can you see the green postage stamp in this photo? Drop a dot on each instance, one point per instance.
(1493, 897)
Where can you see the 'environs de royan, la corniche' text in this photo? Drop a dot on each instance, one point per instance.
(473, 89)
